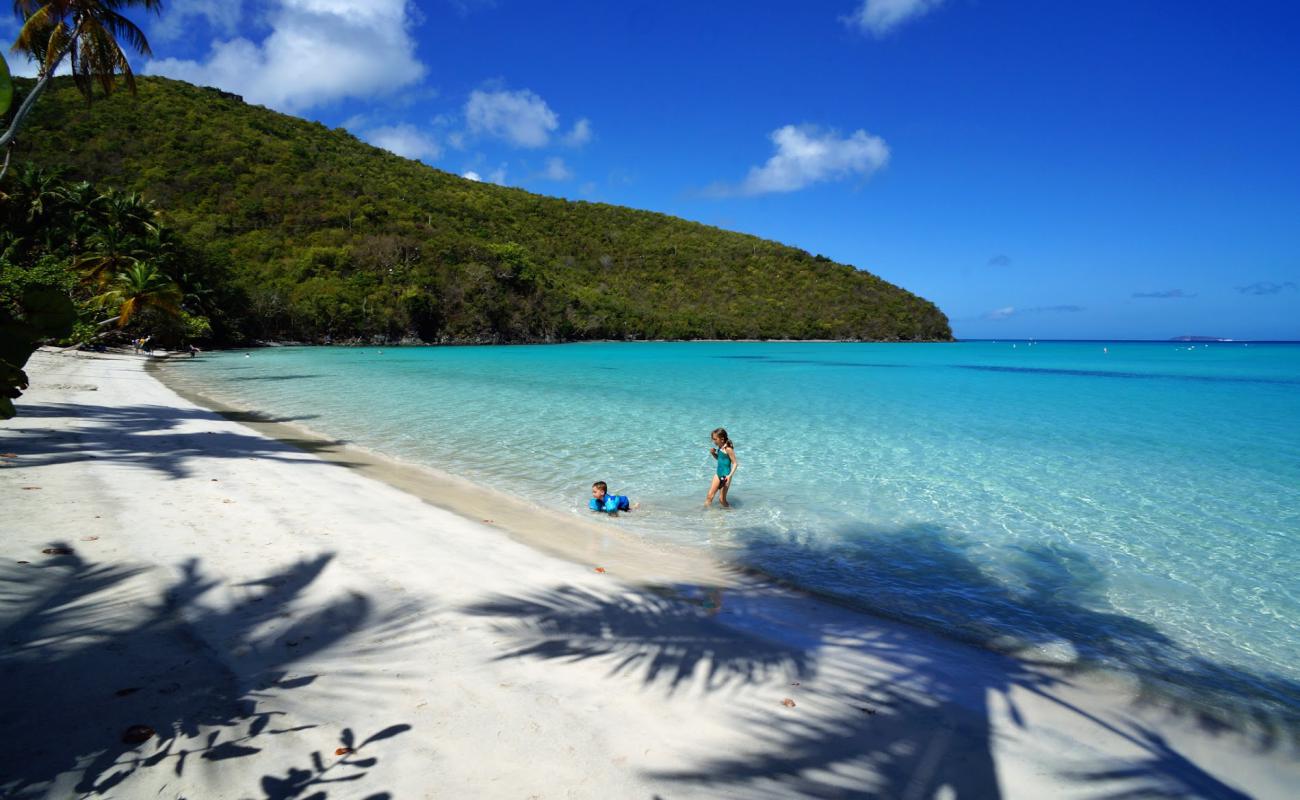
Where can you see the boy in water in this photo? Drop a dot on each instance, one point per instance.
(602, 500)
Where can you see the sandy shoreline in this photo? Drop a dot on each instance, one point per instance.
(261, 605)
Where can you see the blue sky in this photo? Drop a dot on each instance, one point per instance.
(1117, 168)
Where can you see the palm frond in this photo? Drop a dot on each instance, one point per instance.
(125, 30)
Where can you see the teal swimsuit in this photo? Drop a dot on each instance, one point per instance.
(724, 463)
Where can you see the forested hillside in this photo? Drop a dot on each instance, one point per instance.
(317, 233)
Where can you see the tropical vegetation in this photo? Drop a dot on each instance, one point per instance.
(299, 232)
(33, 308)
(88, 34)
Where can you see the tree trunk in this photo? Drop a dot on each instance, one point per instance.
(23, 110)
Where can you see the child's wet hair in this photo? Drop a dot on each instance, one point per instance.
(721, 433)
(600, 485)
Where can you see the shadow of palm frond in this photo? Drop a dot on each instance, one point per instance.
(1047, 604)
(148, 436)
(923, 727)
(656, 634)
(97, 654)
(1162, 774)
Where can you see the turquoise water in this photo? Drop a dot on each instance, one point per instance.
(1136, 506)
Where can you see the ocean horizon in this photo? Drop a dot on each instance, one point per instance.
(1128, 505)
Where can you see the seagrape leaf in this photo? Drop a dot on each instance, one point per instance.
(49, 311)
(6, 87)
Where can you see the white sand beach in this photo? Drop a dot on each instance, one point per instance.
(290, 617)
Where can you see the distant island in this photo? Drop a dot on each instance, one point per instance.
(309, 234)
(1199, 339)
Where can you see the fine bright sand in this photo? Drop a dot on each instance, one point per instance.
(209, 605)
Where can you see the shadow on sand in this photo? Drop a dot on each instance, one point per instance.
(104, 678)
(149, 436)
(884, 711)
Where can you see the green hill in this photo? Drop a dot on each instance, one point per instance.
(321, 234)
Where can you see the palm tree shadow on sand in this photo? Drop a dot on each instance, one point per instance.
(105, 680)
(922, 726)
(149, 437)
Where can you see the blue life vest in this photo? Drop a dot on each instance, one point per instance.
(613, 502)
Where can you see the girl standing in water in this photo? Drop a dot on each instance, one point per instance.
(725, 452)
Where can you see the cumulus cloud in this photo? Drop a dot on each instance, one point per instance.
(472, 175)
(521, 118)
(556, 170)
(177, 15)
(580, 134)
(404, 140)
(1266, 287)
(1011, 311)
(1000, 261)
(879, 17)
(806, 155)
(318, 51)
(1167, 294)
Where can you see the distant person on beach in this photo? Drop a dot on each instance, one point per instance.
(724, 450)
(602, 500)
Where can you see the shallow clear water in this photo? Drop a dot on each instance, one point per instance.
(1138, 507)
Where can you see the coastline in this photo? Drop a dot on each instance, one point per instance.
(565, 536)
(658, 675)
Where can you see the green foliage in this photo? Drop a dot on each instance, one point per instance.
(195, 328)
(103, 252)
(138, 288)
(6, 87)
(38, 313)
(299, 232)
(82, 333)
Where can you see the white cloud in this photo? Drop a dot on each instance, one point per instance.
(498, 176)
(318, 51)
(806, 155)
(1012, 311)
(521, 118)
(177, 15)
(580, 134)
(404, 140)
(879, 17)
(556, 170)
(472, 175)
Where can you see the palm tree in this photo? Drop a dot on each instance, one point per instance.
(85, 31)
(112, 252)
(138, 288)
(86, 205)
(36, 194)
(123, 228)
